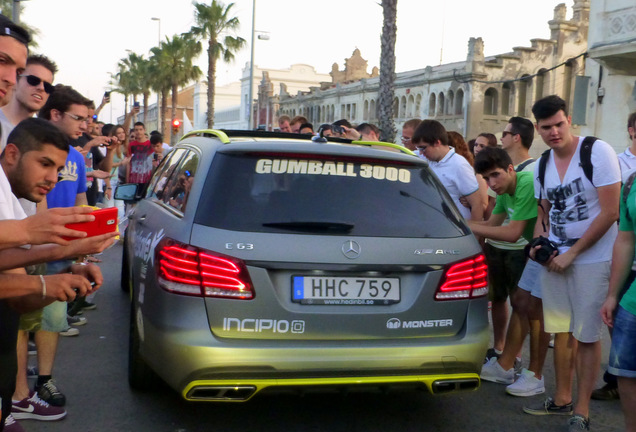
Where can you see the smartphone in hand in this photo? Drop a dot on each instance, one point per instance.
(105, 222)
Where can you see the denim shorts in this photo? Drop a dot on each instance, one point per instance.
(530, 278)
(54, 315)
(622, 358)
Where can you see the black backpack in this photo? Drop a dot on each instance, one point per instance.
(522, 165)
(586, 160)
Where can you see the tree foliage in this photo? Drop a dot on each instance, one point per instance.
(216, 25)
(175, 59)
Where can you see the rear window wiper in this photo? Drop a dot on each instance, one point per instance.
(312, 226)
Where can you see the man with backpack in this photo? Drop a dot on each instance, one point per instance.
(577, 183)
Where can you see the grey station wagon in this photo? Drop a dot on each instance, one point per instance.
(260, 261)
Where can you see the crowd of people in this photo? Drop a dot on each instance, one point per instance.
(59, 163)
(551, 223)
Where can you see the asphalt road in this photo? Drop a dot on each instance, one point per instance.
(91, 370)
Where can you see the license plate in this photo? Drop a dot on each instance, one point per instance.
(355, 291)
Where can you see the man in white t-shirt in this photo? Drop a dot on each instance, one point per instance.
(455, 173)
(627, 159)
(579, 216)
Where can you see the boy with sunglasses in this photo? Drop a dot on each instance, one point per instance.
(31, 92)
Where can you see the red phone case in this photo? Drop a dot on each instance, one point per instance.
(105, 222)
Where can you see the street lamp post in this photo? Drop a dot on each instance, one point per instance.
(15, 11)
(159, 125)
(251, 87)
(250, 98)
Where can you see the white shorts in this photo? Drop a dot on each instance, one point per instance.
(572, 300)
(530, 278)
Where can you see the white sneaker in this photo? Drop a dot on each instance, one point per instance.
(71, 331)
(493, 372)
(526, 385)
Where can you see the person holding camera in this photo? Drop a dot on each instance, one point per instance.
(577, 183)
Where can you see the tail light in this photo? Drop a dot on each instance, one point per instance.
(185, 269)
(465, 279)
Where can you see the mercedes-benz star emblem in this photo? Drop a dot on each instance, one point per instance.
(351, 249)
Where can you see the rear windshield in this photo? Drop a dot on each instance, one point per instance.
(282, 193)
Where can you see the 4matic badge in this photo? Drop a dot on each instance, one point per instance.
(436, 252)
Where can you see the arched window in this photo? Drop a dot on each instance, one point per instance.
(568, 78)
(507, 95)
(459, 102)
(440, 103)
(409, 106)
(372, 113)
(490, 102)
(396, 107)
(402, 112)
(542, 81)
(449, 102)
(431, 105)
(418, 106)
(524, 84)
(365, 111)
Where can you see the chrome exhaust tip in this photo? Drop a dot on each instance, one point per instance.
(221, 393)
(453, 385)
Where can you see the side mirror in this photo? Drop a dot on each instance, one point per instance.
(127, 192)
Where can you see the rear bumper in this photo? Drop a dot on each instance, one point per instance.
(244, 390)
(201, 367)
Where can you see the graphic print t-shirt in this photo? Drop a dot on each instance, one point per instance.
(575, 200)
(140, 162)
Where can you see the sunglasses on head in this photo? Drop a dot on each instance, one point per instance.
(35, 81)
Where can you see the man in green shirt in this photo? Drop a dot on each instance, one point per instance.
(620, 313)
(515, 201)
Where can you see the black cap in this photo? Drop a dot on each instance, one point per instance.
(11, 29)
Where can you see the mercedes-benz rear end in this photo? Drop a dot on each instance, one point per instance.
(318, 266)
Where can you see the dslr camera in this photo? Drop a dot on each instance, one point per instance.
(337, 129)
(547, 248)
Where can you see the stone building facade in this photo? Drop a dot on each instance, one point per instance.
(476, 95)
(611, 70)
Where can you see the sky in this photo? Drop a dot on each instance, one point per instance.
(86, 38)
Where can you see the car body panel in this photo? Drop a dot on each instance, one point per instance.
(197, 343)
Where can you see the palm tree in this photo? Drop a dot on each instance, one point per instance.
(161, 82)
(212, 23)
(387, 70)
(177, 55)
(133, 77)
(127, 80)
(143, 80)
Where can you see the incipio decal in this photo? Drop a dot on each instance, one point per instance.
(256, 325)
(332, 168)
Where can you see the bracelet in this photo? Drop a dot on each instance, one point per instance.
(43, 286)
